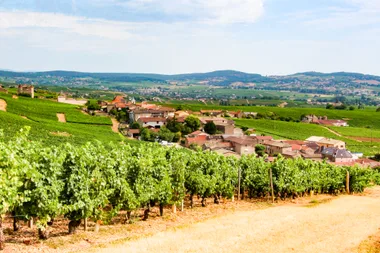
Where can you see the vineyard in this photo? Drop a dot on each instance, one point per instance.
(357, 118)
(43, 110)
(301, 131)
(41, 116)
(96, 182)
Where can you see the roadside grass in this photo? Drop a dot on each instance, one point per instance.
(371, 245)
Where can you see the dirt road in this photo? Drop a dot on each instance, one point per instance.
(61, 117)
(338, 226)
(3, 105)
(115, 125)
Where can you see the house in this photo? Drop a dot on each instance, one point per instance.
(277, 147)
(227, 153)
(24, 89)
(134, 115)
(331, 122)
(238, 131)
(324, 121)
(152, 122)
(225, 128)
(242, 145)
(181, 114)
(337, 155)
(249, 114)
(216, 120)
(262, 139)
(211, 112)
(133, 133)
(217, 144)
(198, 133)
(327, 142)
(199, 140)
(3, 90)
(238, 114)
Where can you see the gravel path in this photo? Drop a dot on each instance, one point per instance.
(3, 105)
(338, 226)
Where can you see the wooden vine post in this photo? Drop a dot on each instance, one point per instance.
(239, 178)
(271, 183)
(348, 182)
(85, 224)
(30, 222)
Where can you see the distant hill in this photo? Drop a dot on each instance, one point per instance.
(221, 78)
(340, 74)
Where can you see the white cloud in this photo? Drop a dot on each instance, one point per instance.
(12, 21)
(210, 11)
(357, 13)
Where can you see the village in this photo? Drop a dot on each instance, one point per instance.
(216, 131)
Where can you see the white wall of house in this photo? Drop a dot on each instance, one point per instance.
(154, 124)
(244, 149)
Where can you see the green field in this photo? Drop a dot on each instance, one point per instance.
(357, 131)
(44, 124)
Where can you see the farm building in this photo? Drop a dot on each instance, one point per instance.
(326, 142)
(242, 145)
(152, 122)
(3, 90)
(24, 89)
(337, 155)
(277, 147)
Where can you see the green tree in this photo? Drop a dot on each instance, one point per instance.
(193, 123)
(165, 134)
(260, 150)
(135, 125)
(210, 128)
(92, 105)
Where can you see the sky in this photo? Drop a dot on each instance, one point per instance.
(269, 37)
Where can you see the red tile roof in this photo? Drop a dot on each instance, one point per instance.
(264, 138)
(200, 140)
(134, 131)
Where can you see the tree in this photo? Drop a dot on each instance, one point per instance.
(351, 108)
(173, 125)
(210, 128)
(329, 106)
(92, 105)
(135, 125)
(165, 134)
(378, 109)
(193, 123)
(260, 150)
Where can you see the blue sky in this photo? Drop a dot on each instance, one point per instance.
(181, 36)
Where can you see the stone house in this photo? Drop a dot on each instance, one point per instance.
(277, 147)
(242, 145)
(24, 89)
(152, 122)
(337, 155)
